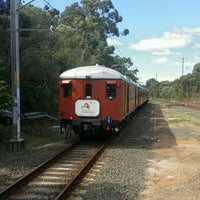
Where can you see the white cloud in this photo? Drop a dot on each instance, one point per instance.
(186, 64)
(197, 45)
(113, 42)
(177, 38)
(165, 78)
(162, 60)
(165, 52)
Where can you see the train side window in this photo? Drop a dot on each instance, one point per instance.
(88, 90)
(110, 91)
(67, 90)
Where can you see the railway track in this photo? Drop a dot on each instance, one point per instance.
(56, 178)
(193, 107)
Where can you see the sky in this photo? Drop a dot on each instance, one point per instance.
(164, 38)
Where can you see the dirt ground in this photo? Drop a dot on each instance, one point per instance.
(174, 173)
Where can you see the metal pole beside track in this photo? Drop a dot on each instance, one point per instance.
(16, 142)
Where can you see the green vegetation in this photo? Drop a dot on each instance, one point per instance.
(5, 95)
(177, 120)
(185, 88)
(37, 133)
(78, 37)
(197, 124)
(33, 141)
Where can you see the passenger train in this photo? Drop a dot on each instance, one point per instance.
(96, 99)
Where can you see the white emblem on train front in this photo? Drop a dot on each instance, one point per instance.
(87, 108)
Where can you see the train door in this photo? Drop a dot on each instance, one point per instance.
(84, 89)
(88, 90)
(87, 106)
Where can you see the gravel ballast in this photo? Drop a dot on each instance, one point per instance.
(152, 160)
(157, 156)
(123, 173)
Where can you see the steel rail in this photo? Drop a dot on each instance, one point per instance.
(194, 107)
(23, 180)
(72, 180)
(82, 172)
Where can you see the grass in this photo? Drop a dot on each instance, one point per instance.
(170, 111)
(197, 137)
(174, 116)
(33, 141)
(177, 120)
(196, 124)
(34, 138)
(185, 125)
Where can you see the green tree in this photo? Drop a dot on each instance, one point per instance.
(45, 54)
(165, 89)
(4, 47)
(5, 96)
(186, 87)
(196, 74)
(166, 92)
(153, 86)
(39, 71)
(93, 21)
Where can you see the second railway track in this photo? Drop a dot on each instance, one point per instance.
(186, 105)
(56, 178)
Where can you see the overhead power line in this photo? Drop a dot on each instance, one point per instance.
(116, 47)
(49, 4)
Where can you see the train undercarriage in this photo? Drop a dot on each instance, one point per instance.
(84, 127)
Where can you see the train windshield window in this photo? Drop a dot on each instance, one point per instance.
(67, 90)
(110, 91)
(88, 90)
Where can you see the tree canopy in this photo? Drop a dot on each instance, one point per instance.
(4, 6)
(188, 86)
(79, 38)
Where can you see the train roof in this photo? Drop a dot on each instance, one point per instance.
(92, 72)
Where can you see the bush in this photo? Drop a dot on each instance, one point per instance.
(5, 96)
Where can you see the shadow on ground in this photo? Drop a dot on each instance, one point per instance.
(124, 172)
(148, 129)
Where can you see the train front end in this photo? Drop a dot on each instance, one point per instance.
(90, 100)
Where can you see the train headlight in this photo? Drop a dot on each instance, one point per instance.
(108, 119)
(116, 129)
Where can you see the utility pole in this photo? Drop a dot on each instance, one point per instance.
(183, 61)
(155, 84)
(16, 142)
(156, 75)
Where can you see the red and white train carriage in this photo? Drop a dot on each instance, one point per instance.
(96, 98)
